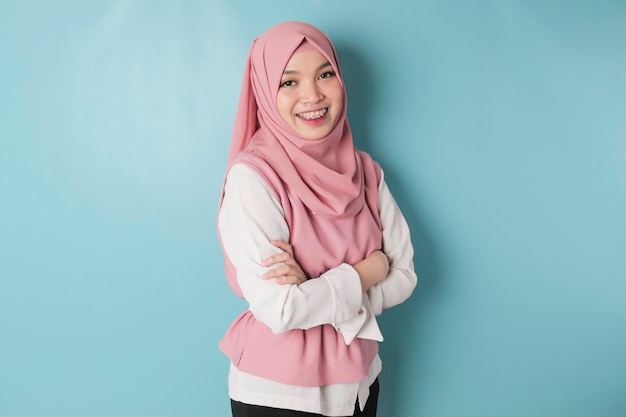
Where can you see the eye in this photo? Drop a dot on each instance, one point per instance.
(327, 74)
(288, 83)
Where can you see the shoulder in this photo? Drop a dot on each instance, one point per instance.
(245, 188)
(251, 162)
(371, 166)
(244, 177)
(242, 171)
(250, 166)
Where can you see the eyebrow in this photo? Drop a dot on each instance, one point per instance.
(324, 65)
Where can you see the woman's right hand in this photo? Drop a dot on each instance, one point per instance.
(372, 269)
(290, 271)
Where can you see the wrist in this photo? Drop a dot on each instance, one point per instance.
(372, 269)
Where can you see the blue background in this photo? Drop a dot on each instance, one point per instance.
(501, 125)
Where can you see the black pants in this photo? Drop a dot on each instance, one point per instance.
(247, 410)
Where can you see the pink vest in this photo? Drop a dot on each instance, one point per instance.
(317, 356)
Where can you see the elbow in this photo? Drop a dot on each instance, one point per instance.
(411, 283)
(413, 280)
(405, 288)
(278, 325)
(277, 318)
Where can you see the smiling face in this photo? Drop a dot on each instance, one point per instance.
(310, 95)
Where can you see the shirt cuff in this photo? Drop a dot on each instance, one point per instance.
(362, 326)
(352, 313)
(346, 292)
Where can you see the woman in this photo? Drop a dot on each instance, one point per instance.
(312, 238)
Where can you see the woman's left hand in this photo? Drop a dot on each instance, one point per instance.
(288, 273)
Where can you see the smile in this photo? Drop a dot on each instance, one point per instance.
(312, 115)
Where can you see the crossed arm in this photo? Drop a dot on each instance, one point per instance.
(255, 237)
(371, 270)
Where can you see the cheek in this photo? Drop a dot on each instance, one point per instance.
(337, 92)
(284, 103)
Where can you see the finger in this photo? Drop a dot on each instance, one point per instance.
(284, 280)
(277, 258)
(283, 245)
(286, 272)
(289, 279)
(277, 272)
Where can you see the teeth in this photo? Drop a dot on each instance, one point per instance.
(313, 114)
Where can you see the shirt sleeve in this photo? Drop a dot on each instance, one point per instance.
(250, 216)
(401, 279)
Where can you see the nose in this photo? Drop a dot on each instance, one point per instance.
(310, 92)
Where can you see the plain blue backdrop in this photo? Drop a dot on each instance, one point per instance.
(501, 125)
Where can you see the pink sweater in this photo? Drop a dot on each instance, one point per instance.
(317, 355)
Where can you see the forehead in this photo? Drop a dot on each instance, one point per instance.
(308, 61)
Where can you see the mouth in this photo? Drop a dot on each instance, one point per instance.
(313, 115)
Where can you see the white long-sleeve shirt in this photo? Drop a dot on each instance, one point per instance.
(250, 213)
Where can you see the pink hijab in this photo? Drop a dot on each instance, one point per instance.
(327, 174)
